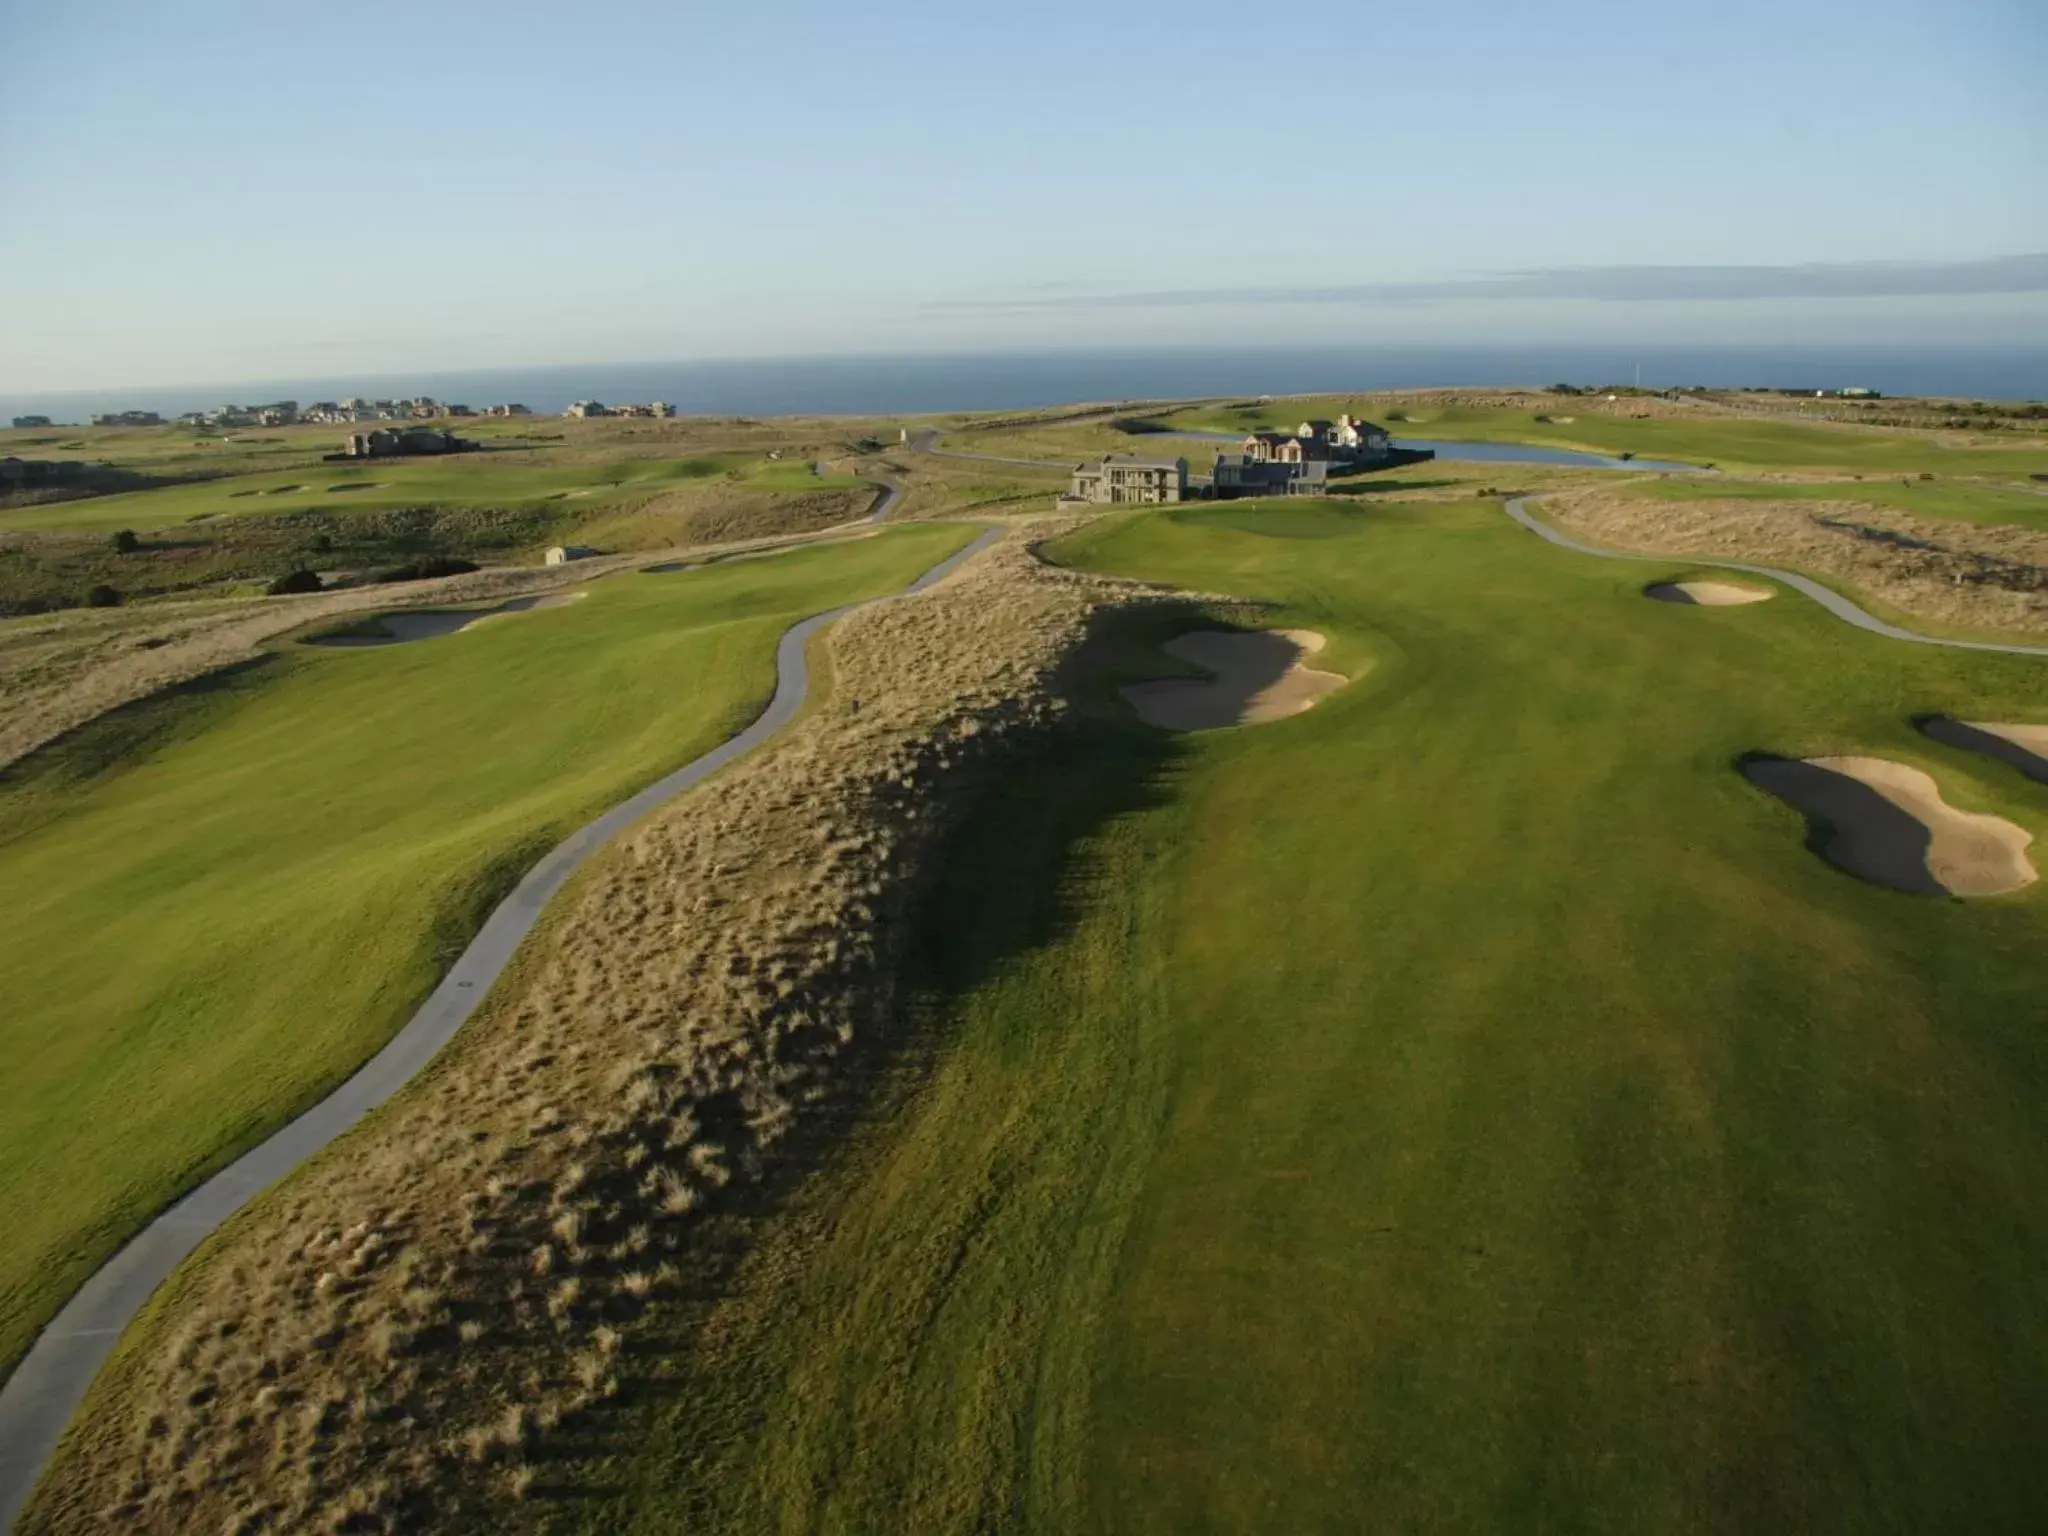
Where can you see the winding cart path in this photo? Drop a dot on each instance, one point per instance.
(38, 1400)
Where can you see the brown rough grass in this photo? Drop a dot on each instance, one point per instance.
(1953, 575)
(398, 1330)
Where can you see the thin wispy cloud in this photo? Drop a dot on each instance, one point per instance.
(1637, 284)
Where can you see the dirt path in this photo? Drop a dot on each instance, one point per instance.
(39, 1399)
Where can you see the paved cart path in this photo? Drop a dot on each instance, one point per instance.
(39, 1399)
(1827, 597)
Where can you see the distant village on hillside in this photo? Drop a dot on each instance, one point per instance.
(289, 413)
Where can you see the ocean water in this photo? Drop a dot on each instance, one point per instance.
(884, 386)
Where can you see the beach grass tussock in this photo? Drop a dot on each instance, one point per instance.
(397, 1331)
(1954, 574)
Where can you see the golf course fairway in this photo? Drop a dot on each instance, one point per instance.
(1468, 1105)
(222, 901)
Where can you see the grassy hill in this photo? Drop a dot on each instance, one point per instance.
(221, 901)
(229, 514)
(1469, 1106)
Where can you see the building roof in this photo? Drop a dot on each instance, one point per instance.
(1274, 438)
(1138, 461)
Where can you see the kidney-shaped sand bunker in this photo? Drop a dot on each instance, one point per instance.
(403, 625)
(1887, 823)
(1707, 594)
(2024, 747)
(1255, 676)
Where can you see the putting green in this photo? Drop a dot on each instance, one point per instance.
(1465, 1106)
(218, 904)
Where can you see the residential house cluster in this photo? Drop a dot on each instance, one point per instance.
(277, 413)
(1125, 479)
(393, 442)
(33, 421)
(417, 408)
(584, 409)
(128, 419)
(1294, 463)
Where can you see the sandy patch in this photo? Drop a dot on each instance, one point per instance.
(1887, 823)
(2024, 747)
(1256, 676)
(1708, 594)
(432, 623)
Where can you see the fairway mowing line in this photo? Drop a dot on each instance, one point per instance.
(1840, 606)
(45, 1390)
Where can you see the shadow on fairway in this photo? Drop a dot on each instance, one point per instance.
(1012, 876)
(1849, 824)
(1951, 732)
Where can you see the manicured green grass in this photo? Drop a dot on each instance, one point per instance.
(510, 477)
(1962, 500)
(221, 902)
(1466, 1107)
(1727, 441)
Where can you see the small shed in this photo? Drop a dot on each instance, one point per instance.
(562, 554)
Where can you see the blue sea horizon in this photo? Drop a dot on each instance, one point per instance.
(922, 384)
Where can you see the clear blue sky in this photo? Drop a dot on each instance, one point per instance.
(243, 191)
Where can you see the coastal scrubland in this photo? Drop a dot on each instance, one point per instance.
(1957, 577)
(222, 899)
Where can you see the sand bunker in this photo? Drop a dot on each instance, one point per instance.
(432, 623)
(1887, 823)
(1257, 676)
(1708, 594)
(2024, 747)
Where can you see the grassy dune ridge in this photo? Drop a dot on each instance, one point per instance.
(224, 899)
(1467, 1106)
